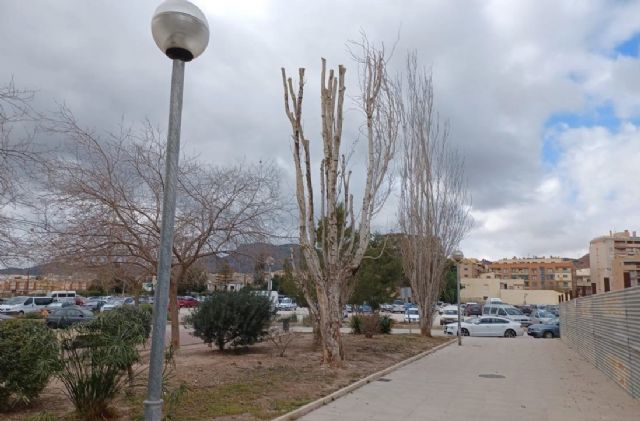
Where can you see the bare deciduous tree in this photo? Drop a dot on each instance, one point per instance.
(17, 156)
(332, 258)
(433, 208)
(107, 195)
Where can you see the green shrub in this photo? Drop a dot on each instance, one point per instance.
(370, 325)
(28, 357)
(97, 358)
(33, 315)
(385, 324)
(356, 324)
(235, 318)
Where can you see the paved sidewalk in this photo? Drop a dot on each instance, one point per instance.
(490, 379)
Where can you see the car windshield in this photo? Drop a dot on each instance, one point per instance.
(16, 300)
(450, 312)
(513, 311)
(413, 311)
(545, 314)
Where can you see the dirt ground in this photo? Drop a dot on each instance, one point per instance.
(250, 383)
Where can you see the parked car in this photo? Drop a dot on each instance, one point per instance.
(555, 309)
(5, 317)
(117, 302)
(486, 326)
(364, 309)
(63, 296)
(473, 310)
(68, 316)
(386, 307)
(348, 308)
(449, 315)
(398, 306)
(94, 303)
(542, 317)
(545, 330)
(22, 304)
(412, 315)
(525, 309)
(56, 305)
(287, 304)
(187, 302)
(146, 299)
(507, 311)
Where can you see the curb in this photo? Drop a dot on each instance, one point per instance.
(304, 410)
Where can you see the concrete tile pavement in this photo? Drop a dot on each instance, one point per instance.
(490, 378)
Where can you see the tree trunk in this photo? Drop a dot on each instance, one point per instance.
(426, 321)
(330, 324)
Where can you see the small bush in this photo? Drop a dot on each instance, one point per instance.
(356, 324)
(235, 318)
(385, 324)
(370, 325)
(98, 356)
(33, 315)
(28, 357)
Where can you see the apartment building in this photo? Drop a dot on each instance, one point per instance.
(552, 273)
(472, 268)
(615, 261)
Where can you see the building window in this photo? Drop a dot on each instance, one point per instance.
(627, 280)
(607, 287)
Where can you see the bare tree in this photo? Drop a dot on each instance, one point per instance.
(333, 258)
(107, 199)
(18, 155)
(433, 208)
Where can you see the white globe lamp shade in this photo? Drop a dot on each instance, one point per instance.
(457, 256)
(180, 29)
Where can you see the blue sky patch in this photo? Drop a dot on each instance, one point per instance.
(603, 115)
(600, 116)
(630, 47)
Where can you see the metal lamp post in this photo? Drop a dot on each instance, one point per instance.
(181, 31)
(457, 256)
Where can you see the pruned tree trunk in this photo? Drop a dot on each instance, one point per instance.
(434, 200)
(334, 244)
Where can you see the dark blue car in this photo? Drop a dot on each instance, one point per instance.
(545, 330)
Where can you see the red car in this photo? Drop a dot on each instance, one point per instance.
(187, 302)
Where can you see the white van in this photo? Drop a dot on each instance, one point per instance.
(507, 311)
(63, 296)
(22, 305)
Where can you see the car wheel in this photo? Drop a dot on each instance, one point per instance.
(548, 335)
(509, 333)
(465, 332)
(21, 313)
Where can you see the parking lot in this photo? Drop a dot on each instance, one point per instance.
(490, 378)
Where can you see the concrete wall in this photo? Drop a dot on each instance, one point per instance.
(533, 296)
(479, 289)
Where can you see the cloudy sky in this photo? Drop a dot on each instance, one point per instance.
(543, 97)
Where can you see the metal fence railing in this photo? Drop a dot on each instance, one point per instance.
(605, 330)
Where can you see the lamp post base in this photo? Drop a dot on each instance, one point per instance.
(153, 410)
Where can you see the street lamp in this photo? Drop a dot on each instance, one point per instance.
(181, 32)
(457, 256)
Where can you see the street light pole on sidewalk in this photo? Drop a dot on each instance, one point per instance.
(457, 256)
(181, 31)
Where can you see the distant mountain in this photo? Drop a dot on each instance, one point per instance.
(244, 258)
(583, 263)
